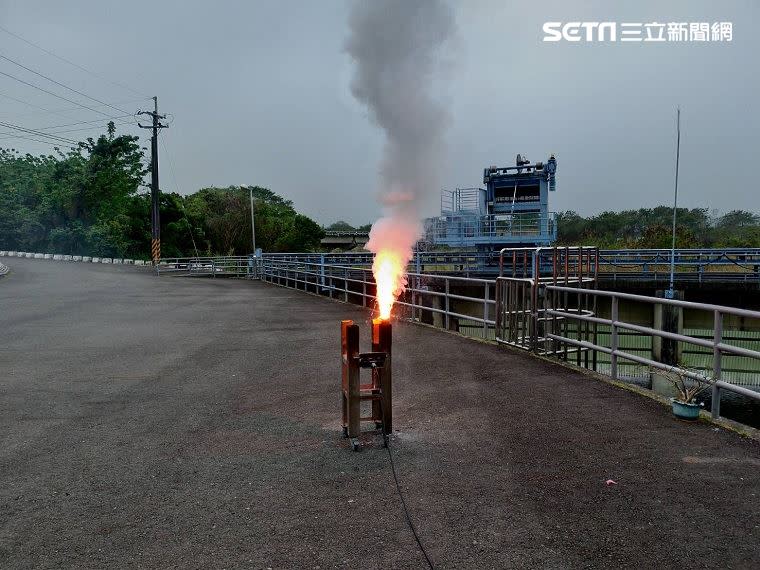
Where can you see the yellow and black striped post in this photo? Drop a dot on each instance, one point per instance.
(155, 250)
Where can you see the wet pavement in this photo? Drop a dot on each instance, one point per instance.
(194, 423)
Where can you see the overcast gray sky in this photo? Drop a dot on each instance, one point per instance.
(259, 93)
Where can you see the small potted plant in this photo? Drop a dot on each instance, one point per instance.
(688, 388)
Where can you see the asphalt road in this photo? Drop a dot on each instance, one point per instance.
(194, 423)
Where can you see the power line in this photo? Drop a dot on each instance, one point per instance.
(84, 123)
(128, 101)
(55, 144)
(119, 124)
(66, 109)
(35, 132)
(123, 86)
(57, 139)
(56, 95)
(45, 135)
(25, 102)
(29, 69)
(62, 112)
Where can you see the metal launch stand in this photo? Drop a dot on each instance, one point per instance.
(378, 390)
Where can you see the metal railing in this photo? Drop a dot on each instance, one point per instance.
(556, 263)
(458, 229)
(648, 265)
(440, 300)
(697, 265)
(346, 233)
(517, 318)
(716, 344)
(229, 266)
(731, 265)
(457, 262)
(470, 200)
(692, 265)
(561, 319)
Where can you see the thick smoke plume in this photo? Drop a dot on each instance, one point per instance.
(395, 44)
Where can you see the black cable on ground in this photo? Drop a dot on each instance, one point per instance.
(406, 510)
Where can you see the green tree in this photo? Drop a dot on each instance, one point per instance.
(73, 202)
(340, 226)
(225, 220)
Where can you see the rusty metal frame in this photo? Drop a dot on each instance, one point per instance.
(379, 391)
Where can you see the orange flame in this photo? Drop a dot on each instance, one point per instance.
(389, 268)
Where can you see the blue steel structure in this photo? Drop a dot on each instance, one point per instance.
(511, 211)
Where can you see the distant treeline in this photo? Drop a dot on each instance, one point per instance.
(652, 228)
(341, 226)
(92, 201)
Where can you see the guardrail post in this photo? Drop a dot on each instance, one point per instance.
(414, 297)
(614, 339)
(446, 300)
(499, 300)
(667, 318)
(345, 285)
(717, 357)
(486, 298)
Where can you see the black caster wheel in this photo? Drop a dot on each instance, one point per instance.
(355, 445)
(378, 425)
(385, 440)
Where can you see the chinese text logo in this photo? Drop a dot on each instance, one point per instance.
(674, 32)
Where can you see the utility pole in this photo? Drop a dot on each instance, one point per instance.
(253, 224)
(670, 292)
(155, 193)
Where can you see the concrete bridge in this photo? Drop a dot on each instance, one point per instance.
(152, 423)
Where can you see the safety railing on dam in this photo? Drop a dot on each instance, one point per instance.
(643, 266)
(223, 266)
(575, 322)
(726, 265)
(438, 300)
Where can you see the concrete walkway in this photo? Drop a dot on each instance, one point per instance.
(193, 423)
